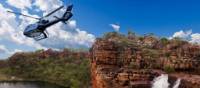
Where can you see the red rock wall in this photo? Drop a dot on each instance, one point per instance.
(114, 65)
(110, 67)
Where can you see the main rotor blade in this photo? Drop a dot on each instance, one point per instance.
(53, 11)
(24, 15)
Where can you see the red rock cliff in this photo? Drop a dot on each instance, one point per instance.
(123, 62)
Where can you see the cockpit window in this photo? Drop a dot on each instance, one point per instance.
(40, 36)
(31, 27)
(35, 34)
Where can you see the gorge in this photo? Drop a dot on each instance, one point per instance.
(114, 61)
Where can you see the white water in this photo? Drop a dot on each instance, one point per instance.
(177, 83)
(162, 82)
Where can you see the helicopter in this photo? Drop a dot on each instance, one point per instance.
(37, 30)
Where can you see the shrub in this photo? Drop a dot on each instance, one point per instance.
(169, 69)
(141, 38)
(133, 65)
(164, 41)
(112, 35)
(131, 34)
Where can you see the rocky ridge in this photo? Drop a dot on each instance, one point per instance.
(119, 61)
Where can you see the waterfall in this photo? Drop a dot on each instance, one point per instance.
(162, 82)
(177, 83)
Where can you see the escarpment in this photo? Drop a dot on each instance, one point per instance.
(119, 61)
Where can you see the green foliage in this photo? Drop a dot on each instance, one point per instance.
(152, 53)
(39, 50)
(164, 41)
(141, 38)
(113, 35)
(69, 71)
(133, 65)
(167, 54)
(169, 69)
(150, 34)
(178, 41)
(130, 33)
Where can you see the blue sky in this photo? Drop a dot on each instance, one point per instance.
(162, 17)
(92, 18)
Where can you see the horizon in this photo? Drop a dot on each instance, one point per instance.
(92, 19)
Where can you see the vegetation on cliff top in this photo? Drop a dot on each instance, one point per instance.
(66, 68)
(169, 55)
(148, 41)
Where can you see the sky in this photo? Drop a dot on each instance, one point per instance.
(92, 18)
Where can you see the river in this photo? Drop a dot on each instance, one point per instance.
(28, 85)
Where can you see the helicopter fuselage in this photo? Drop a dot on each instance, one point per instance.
(34, 30)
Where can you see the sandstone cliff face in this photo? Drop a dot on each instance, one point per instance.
(110, 66)
(134, 63)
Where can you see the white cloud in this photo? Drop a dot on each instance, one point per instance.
(182, 34)
(115, 27)
(72, 24)
(3, 49)
(47, 5)
(195, 38)
(7, 22)
(20, 4)
(61, 36)
(15, 51)
(187, 35)
(18, 50)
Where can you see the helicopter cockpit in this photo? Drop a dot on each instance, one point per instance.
(30, 29)
(33, 32)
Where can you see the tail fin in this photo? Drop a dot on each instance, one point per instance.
(68, 14)
(69, 8)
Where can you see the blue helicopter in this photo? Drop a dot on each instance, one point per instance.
(37, 30)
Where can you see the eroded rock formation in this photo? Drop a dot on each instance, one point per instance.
(118, 61)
